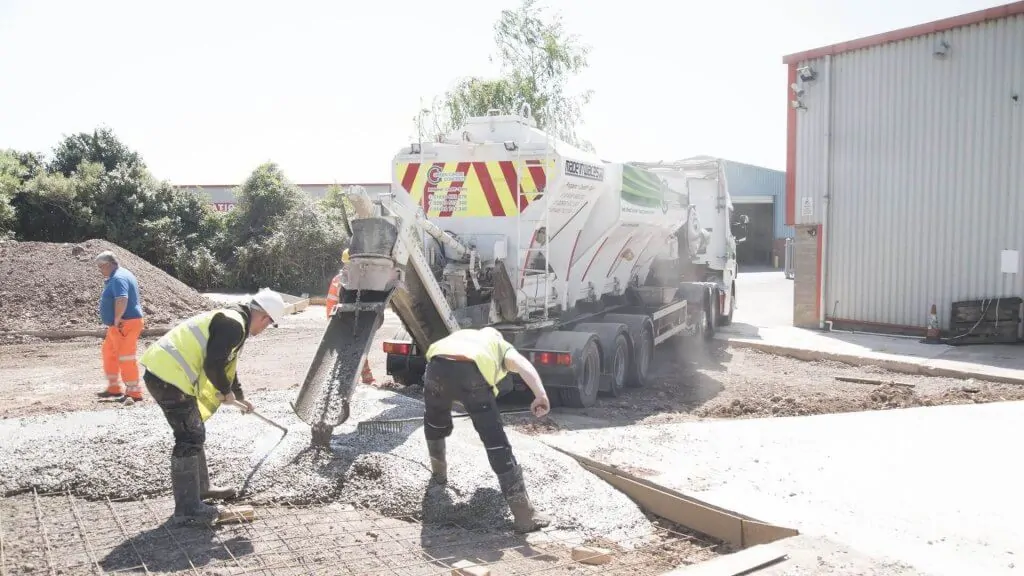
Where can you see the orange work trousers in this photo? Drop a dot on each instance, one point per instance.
(119, 350)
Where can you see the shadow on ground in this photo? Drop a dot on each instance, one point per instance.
(173, 548)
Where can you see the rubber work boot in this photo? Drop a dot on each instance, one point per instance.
(188, 508)
(438, 463)
(526, 519)
(208, 491)
(113, 390)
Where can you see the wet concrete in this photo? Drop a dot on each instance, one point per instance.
(126, 453)
(934, 489)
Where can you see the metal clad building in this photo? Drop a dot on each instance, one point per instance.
(760, 193)
(906, 172)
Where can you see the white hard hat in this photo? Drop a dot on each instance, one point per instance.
(271, 303)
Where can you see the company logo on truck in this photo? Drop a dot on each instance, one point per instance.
(436, 175)
(581, 170)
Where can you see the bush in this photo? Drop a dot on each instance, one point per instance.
(95, 187)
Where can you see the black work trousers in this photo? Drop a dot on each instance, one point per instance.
(182, 413)
(446, 381)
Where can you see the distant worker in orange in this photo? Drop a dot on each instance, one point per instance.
(333, 297)
(121, 312)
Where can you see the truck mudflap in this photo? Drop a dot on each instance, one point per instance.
(323, 401)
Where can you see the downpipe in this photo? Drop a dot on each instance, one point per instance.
(824, 324)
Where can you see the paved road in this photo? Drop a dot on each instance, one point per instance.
(764, 299)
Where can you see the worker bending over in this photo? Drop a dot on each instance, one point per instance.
(121, 313)
(190, 371)
(466, 366)
(333, 298)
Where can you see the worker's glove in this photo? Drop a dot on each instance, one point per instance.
(540, 406)
(228, 398)
(245, 406)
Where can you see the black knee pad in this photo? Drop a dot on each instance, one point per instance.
(433, 433)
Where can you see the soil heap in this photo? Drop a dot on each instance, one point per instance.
(56, 287)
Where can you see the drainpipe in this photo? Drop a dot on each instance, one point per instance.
(826, 207)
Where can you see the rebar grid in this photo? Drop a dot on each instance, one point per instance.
(58, 533)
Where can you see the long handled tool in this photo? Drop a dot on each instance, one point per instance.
(400, 425)
(261, 417)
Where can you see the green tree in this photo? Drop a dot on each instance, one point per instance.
(261, 202)
(101, 146)
(277, 236)
(538, 58)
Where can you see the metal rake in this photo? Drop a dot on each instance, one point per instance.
(400, 425)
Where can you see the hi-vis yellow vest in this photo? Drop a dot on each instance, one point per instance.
(486, 347)
(177, 358)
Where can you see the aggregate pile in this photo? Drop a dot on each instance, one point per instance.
(126, 453)
(56, 287)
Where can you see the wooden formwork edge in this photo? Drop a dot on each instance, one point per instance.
(726, 525)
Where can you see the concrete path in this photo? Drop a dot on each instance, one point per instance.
(764, 320)
(934, 488)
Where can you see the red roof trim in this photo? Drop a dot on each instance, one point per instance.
(978, 17)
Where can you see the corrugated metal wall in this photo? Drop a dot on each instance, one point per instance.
(927, 172)
(750, 180)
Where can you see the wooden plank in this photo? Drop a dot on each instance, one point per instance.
(735, 564)
(695, 516)
(873, 381)
(704, 517)
(236, 515)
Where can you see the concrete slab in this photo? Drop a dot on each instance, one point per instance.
(764, 320)
(932, 488)
(1000, 363)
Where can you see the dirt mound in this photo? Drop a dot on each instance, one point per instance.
(56, 287)
(881, 397)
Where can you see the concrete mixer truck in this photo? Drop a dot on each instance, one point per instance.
(586, 266)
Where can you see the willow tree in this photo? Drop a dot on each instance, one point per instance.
(537, 59)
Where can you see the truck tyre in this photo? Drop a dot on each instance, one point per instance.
(579, 388)
(641, 339)
(587, 380)
(710, 315)
(405, 377)
(617, 357)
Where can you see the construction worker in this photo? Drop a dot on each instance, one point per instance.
(190, 372)
(333, 297)
(120, 310)
(467, 366)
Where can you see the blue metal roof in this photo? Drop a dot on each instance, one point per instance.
(750, 180)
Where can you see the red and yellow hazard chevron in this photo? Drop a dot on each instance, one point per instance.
(461, 189)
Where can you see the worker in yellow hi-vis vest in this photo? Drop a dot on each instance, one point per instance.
(190, 372)
(466, 366)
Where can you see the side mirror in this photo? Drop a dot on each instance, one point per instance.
(739, 228)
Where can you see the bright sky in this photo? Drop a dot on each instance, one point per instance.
(208, 90)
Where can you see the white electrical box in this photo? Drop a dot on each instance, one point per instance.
(1009, 261)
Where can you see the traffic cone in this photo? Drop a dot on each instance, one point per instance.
(932, 335)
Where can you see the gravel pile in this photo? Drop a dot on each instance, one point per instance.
(53, 286)
(126, 453)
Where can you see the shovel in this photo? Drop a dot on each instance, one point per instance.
(261, 417)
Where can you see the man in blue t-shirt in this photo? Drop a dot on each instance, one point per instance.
(120, 311)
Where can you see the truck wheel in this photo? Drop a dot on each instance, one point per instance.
(616, 357)
(587, 380)
(641, 333)
(710, 316)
